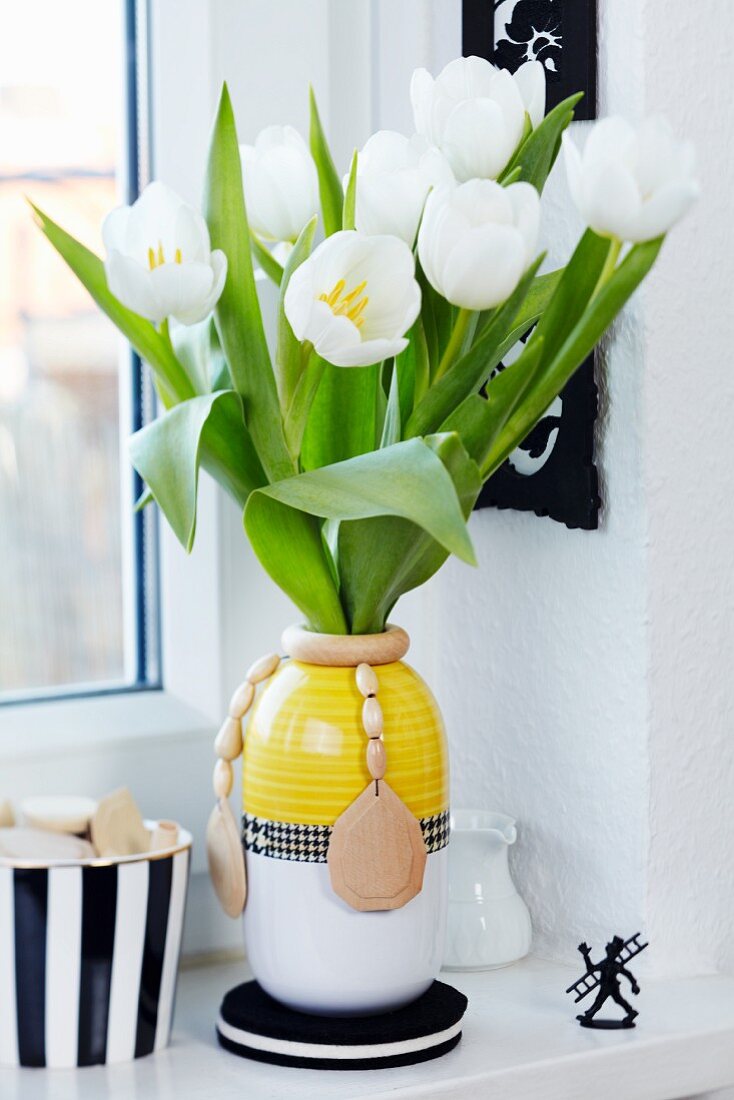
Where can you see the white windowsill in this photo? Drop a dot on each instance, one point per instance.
(520, 1042)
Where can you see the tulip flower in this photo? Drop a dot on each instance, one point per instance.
(475, 113)
(280, 181)
(477, 239)
(394, 176)
(159, 261)
(631, 183)
(354, 298)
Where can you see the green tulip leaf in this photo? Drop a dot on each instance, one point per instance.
(265, 258)
(291, 549)
(147, 342)
(573, 291)
(350, 196)
(580, 342)
(470, 372)
(237, 314)
(289, 357)
(330, 188)
(537, 154)
(167, 454)
(381, 559)
(406, 480)
(342, 421)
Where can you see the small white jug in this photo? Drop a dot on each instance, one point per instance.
(488, 923)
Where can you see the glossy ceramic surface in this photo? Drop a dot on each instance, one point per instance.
(304, 764)
(89, 956)
(304, 755)
(488, 923)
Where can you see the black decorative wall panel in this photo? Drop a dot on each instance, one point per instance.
(553, 472)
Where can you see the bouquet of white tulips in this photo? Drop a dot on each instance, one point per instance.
(357, 436)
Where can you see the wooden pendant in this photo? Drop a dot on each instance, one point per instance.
(226, 859)
(377, 855)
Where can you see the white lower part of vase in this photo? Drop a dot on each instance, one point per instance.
(313, 952)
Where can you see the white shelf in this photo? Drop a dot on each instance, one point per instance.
(521, 1042)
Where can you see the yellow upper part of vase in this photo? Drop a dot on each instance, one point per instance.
(304, 759)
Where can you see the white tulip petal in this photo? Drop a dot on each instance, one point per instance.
(200, 310)
(329, 333)
(280, 182)
(183, 290)
(191, 235)
(506, 94)
(476, 140)
(367, 352)
(114, 229)
(130, 283)
(610, 199)
(159, 263)
(530, 80)
(299, 294)
(468, 77)
(525, 202)
(372, 276)
(611, 139)
(663, 210)
(421, 95)
(484, 267)
(481, 200)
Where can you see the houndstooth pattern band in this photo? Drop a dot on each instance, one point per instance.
(310, 843)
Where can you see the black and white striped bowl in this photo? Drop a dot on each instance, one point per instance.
(89, 955)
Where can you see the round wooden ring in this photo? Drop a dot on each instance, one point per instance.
(345, 650)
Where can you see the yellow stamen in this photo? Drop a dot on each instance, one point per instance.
(178, 255)
(351, 305)
(161, 256)
(354, 294)
(151, 258)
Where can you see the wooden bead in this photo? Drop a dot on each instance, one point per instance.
(263, 668)
(241, 701)
(372, 717)
(367, 680)
(228, 743)
(376, 758)
(223, 778)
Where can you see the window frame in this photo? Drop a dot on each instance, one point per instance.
(144, 735)
(139, 533)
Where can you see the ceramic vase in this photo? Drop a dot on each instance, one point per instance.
(303, 765)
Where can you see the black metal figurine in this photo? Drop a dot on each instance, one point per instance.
(605, 976)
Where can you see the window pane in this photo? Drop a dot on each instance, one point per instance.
(69, 609)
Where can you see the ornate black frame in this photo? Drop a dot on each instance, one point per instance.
(566, 487)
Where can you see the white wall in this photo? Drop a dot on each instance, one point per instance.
(689, 410)
(583, 675)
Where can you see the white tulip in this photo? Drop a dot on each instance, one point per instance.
(281, 185)
(631, 183)
(477, 239)
(394, 176)
(475, 113)
(354, 298)
(159, 262)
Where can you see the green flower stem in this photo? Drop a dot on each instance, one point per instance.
(615, 247)
(175, 385)
(456, 340)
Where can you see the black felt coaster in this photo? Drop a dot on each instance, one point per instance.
(254, 1025)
